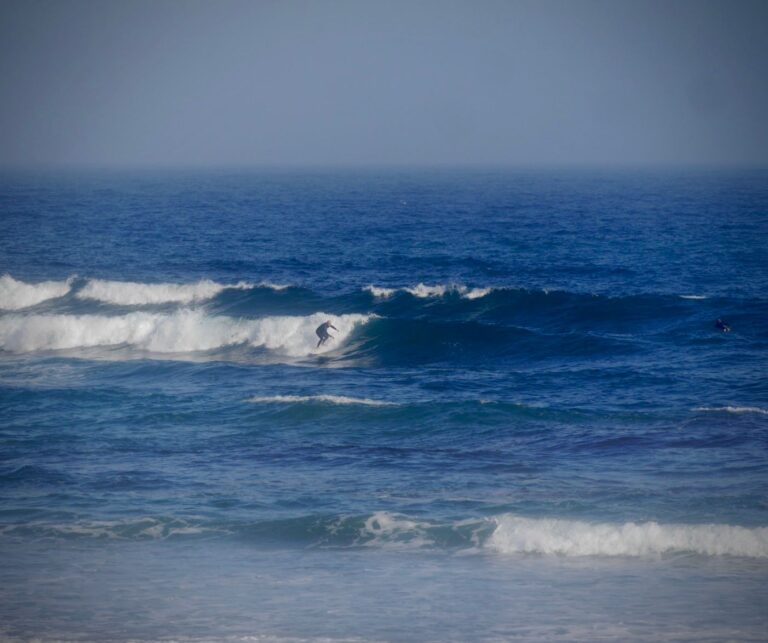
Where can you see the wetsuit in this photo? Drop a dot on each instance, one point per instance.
(721, 325)
(322, 333)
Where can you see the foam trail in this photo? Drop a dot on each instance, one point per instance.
(515, 534)
(693, 297)
(150, 528)
(180, 332)
(129, 293)
(332, 399)
(15, 295)
(423, 291)
(730, 409)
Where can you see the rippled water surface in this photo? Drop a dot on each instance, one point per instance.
(525, 427)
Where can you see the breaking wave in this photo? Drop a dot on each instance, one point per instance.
(128, 293)
(15, 295)
(424, 291)
(331, 399)
(515, 534)
(506, 534)
(181, 332)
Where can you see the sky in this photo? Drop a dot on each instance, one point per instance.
(167, 83)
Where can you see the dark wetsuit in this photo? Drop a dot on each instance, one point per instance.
(322, 333)
(721, 325)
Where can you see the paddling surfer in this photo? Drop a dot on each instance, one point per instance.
(722, 326)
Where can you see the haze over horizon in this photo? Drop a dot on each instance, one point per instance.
(145, 83)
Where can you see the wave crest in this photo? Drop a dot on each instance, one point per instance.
(331, 399)
(730, 409)
(184, 331)
(15, 295)
(423, 291)
(129, 293)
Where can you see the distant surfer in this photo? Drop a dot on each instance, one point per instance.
(722, 326)
(322, 333)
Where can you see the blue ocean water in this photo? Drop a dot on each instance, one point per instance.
(526, 426)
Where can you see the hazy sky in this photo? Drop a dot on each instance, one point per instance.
(571, 82)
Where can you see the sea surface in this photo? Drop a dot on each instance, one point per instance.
(526, 427)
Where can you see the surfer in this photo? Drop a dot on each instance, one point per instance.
(322, 333)
(721, 325)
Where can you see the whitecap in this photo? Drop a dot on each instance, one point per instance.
(130, 293)
(516, 534)
(15, 295)
(424, 291)
(331, 399)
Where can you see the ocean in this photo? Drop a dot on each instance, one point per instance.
(525, 427)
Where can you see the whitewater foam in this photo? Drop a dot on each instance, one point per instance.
(384, 528)
(515, 534)
(183, 331)
(15, 295)
(129, 293)
(332, 399)
(423, 291)
(697, 297)
(730, 409)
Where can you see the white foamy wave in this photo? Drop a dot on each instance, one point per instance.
(129, 293)
(730, 409)
(331, 399)
(423, 291)
(693, 297)
(15, 295)
(270, 285)
(380, 293)
(393, 530)
(514, 534)
(181, 332)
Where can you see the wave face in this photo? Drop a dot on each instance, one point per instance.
(515, 534)
(15, 295)
(184, 331)
(126, 293)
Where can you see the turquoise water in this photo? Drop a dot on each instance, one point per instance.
(526, 427)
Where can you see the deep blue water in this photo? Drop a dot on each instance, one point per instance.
(527, 426)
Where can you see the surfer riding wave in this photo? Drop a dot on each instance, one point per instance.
(322, 333)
